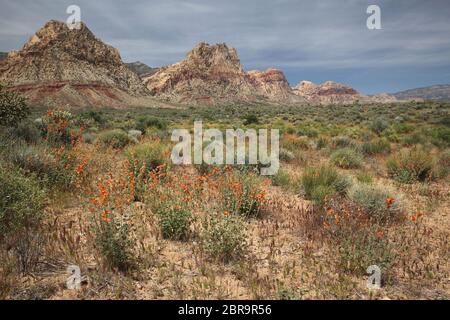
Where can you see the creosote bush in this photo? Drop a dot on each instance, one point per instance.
(377, 146)
(320, 183)
(22, 201)
(410, 165)
(13, 108)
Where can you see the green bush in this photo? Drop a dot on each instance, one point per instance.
(145, 122)
(145, 157)
(282, 179)
(116, 139)
(174, 220)
(26, 131)
(379, 125)
(343, 142)
(377, 146)
(13, 108)
(88, 138)
(320, 183)
(223, 237)
(410, 165)
(22, 201)
(113, 242)
(379, 204)
(38, 160)
(346, 158)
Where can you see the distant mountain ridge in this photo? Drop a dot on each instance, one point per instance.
(141, 69)
(435, 92)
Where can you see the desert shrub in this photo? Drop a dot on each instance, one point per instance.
(135, 135)
(223, 237)
(376, 146)
(242, 194)
(379, 125)
(347, 158)
(295, 143)
(410, 165)
(321, 143)
(286, 155)
(22, 201)
(320, 183)
(438, 136)
(146, 157)
(26, 131)
(282, 179)
(251, 119)
(307, 131)
(88, 138)
(145, 122)
(113, 241)
(40, 161)
(379, 204)
(13, 108)
(174, 219)
(116, 139)
(57, 127)
(343, 142)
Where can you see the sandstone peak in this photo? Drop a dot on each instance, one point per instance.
(62, 62)
(214, 74)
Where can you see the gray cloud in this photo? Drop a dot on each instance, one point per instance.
(304, 38)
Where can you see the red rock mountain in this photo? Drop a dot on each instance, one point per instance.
(213, 74)
(335, 93)
(59, 66)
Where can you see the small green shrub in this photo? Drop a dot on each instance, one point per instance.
(113, 242)
(26, 131)
(286, 155)
(174, 220)
(146, 157)
(282, 179)
(223, 237)
(320, 183)
(13, 108)
(38, 160)
(347, 158)
(88, 138)
(343, 142)
(145, 122)
(410, 165)
(377, 146)
(379, 125)
(116, 139)
(379, 204)
(22, 201)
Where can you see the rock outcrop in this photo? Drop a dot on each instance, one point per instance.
(62, 66)
(336, 93)
(213, 74)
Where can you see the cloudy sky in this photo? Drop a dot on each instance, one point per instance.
(309, 40)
